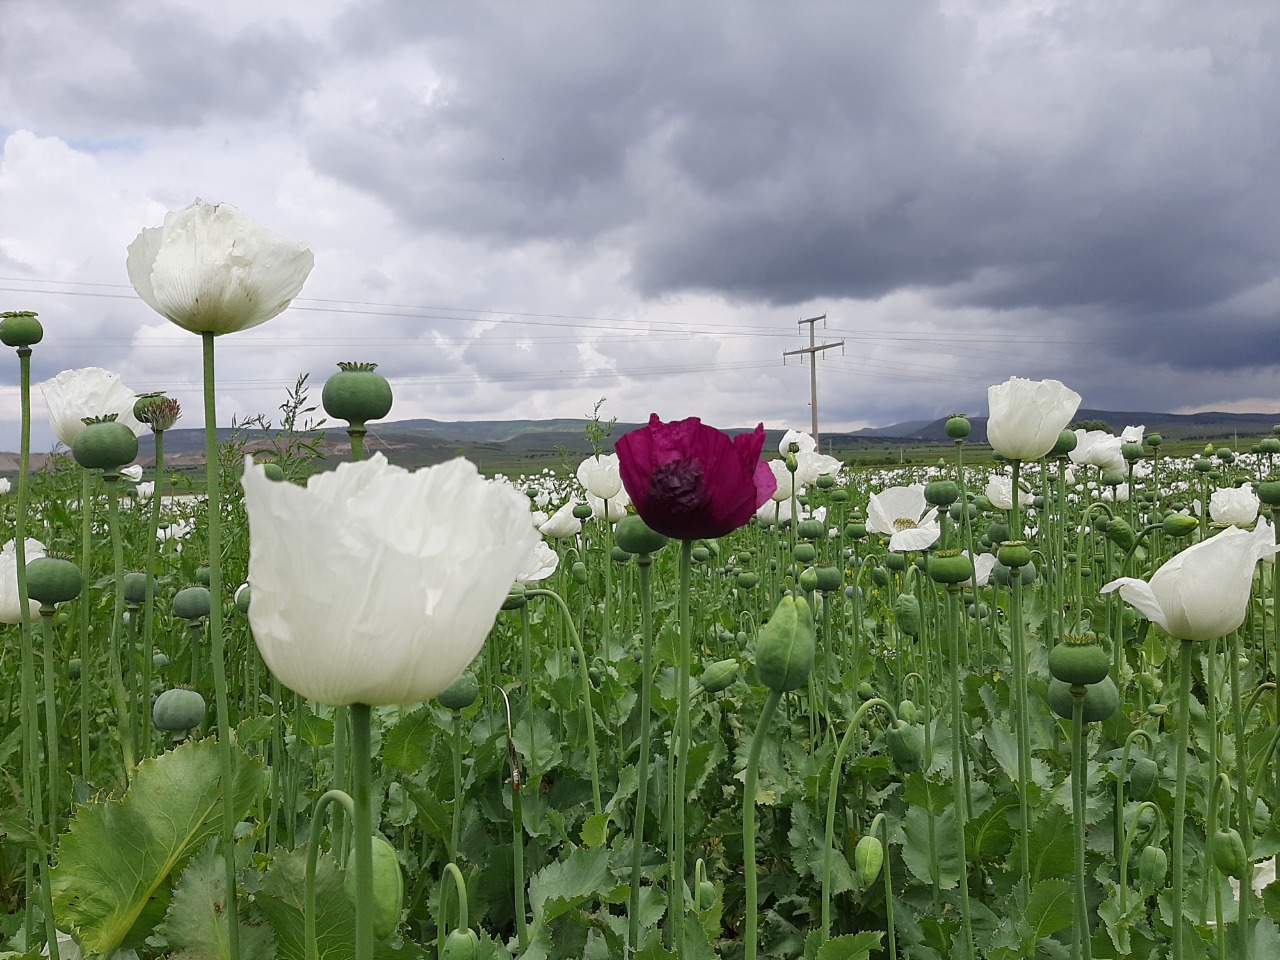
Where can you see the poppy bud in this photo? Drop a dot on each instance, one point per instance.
(786, 646)
(1121, 534)
(868, 858)
(719, 675)
(1227, 848)
(1183, 525)
(906, 611)
(1153, 866)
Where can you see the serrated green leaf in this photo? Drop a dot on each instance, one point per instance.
(195, 925)
(1050, 908)
(432, 814)
(407, 745)
(315, 730)
(595, 830)
(117, 855)
(561, 886)
(922, 861)
(254, 729)
(855, 946)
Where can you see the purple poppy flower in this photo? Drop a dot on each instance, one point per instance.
(690, 481)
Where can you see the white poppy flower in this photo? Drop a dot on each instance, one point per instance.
(1203, 592)
(132, 473)
(562, 523)
(601, 476)
(375, 585)
(804, 441)
(211, 269)
(1237, 506)
(787, 481)
(10, 604)
(1000, 492)
(541, 564)
(1097, 448)
(1026, 416)
(73, 395)
(903, 515)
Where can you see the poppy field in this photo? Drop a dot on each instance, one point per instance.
(699, 698)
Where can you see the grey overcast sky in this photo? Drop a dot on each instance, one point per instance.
(517, 209)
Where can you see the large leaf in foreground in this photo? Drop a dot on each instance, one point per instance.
(117, 855)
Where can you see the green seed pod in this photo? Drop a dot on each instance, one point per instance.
(579, 572)
(700, 554)
(1067, 441)
(1153, 866)
(908, 711)
(1014, 554)
(202, 575)
(388, 886)
(906, 611)
(618, 555)
(950, 566)
(998, 531)
(1142, 778)
(243, 596)
(135, 588)
(868, 858)
(811, 530)
(461, 694)
(1269, 492)
(1101, 700)
(104, 444)
(941, 493)
(273, 471)
(805, 553)
(582, 511)
(1121, 534)
(895, 561)
(957, 426)
(177, 710)
(53, 580)
(719, 676)
(357, 394)
(825, 481)
(829, 578)
(786, 646)
(905, 743)
(159, 661)
(1154, 440)
(880, 576)
(747, 579)
(1227, 848)
(1079, 660)
(191, 603)
(20, 328)
(73, 668)
(838, 495)
(865, 691)
(958, 511)
(460, 945)
(855, 531)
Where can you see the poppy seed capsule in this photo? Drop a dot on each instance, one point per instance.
(958, 427)
(1067, 441)
(950, 566)
(941, 493)
(461, 694)
(1079, 660)
(191, 603)
(104, 444)
(357, 394)
(135, 588)
(786, 646)
(53, 580)
(177, 710)
(20, 328)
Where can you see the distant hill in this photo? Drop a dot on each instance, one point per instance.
(1210, 425)
(520, 444)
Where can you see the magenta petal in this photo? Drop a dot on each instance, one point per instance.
(688, 480)
(766, 483)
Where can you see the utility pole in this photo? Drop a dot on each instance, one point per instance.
(813, 350)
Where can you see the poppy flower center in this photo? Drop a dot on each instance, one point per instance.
(904, 523)
(679, 483)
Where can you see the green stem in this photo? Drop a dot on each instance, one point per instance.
(86, 565)
(456, 832)
(680, 753)
(53, 760)
(149, 600)
(124, 710)
(1180, 793)
(959, 801)
(1244, 815)
(643, 562)
(213, 483)
(749, 825)
(362, 825)
(1080, 927)
(313, 853)
(833, 791)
